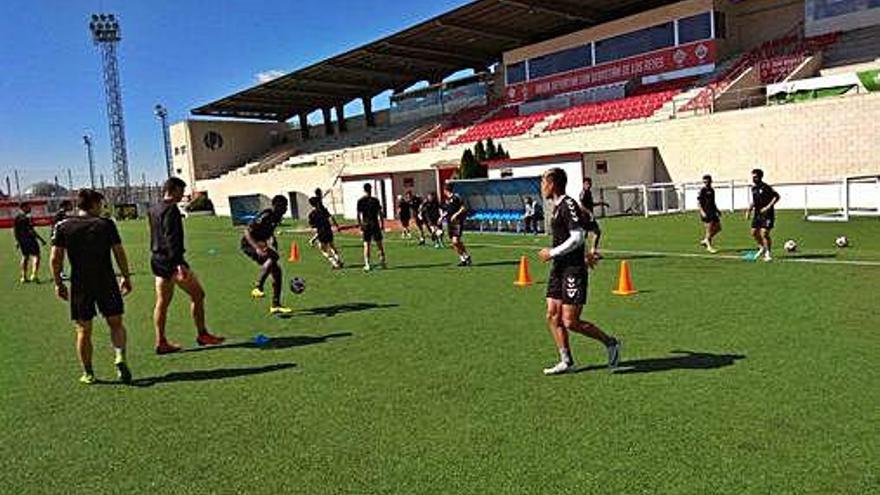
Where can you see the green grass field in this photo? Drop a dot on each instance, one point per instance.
(737, 378)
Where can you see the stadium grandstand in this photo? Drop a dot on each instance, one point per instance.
(639, 92)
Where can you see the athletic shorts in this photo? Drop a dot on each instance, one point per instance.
(372, 233)
(568, 285)
(455, 230)
(766, 222)
(405, 221)
(29, 247)
(163, 268)
(252, 253)
(711, 217)
(325, 236)
(106, 297)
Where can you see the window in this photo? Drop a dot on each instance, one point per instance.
(183, 150)
(562, 61)
(695, 28)
(176, 151)
(635, 43)
(516, 73)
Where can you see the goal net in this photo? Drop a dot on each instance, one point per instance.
(856, 196)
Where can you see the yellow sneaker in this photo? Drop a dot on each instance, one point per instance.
(35, 279)
(257, 293)
(22, 280)
(87, 379)
(280, 310)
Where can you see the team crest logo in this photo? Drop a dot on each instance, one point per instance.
(680, 56)
(213, 140)
(511, 93)
(702, 51)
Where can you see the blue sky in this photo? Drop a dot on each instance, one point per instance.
(181, 53)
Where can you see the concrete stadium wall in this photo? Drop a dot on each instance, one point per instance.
(821, 140)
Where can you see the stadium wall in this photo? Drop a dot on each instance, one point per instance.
(818, 140)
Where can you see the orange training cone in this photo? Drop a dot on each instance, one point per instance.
(294, 253)
(524, 279)
(625, 284)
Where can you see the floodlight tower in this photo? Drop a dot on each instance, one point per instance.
(106, 35)
(162, 114)
(91, 156)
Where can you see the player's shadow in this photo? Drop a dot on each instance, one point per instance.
(277, 342)
(816, 256)
(208, 375)
(683, 360)
(339, 309)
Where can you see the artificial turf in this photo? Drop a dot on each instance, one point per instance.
(426, 378)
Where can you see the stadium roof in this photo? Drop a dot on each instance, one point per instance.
(471, 36)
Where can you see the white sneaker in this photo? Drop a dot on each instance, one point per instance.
(367, 268)
(767, 257)
(711, 250)
(560, 368)
(704, 243)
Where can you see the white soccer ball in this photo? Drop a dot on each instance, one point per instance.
(297, 285)
(841, 242)
(790, 246)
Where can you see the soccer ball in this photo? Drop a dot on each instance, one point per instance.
(790, 246)
(841, 242)
(297, 285)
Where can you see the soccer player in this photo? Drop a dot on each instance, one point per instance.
(371, 222)
(431, 214)
(415, 204)
(319, 219)
(404, 214)
(171, 269)
(319, 196)
(456, 214)
(763, 214)
(567, 286)
(709, 213)
(87, 240)
(530, 218)
(259, 244)
(589, 205)
(26, 237)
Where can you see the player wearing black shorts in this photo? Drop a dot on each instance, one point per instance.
(87, 240)
(26, 237)
(709, 213)
(431, 213)
(319, 219)
(404, 214)
(567, 285)
(763, 214)
(415, 205)
(170, 268)
(259, 244)
(588, 204)
(456, 214)
(319, 197)
(371, 220)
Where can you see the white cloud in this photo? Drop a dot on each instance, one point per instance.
(266, 76)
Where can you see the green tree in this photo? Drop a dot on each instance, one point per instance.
(491, 151)
(501, 153)
(480, 152)
(469, 168)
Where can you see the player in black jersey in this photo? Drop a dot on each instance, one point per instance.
(567, 285)
(171, 270)
(259, 244)
(589, 206)
(319, 219)
(319, 197)
(431, 214)
(415, 205)
(26, 237)
(404, 214)
(371, 220)
(88, 240)
(709, 213)
(763, 213)
(456, 214)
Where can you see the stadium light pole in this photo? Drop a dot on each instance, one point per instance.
(162, 114)
(106, 36)
(87, 140)
(17, 184)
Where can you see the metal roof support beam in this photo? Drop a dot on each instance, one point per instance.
(464, 58)
(485, 32)
(582, 14)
